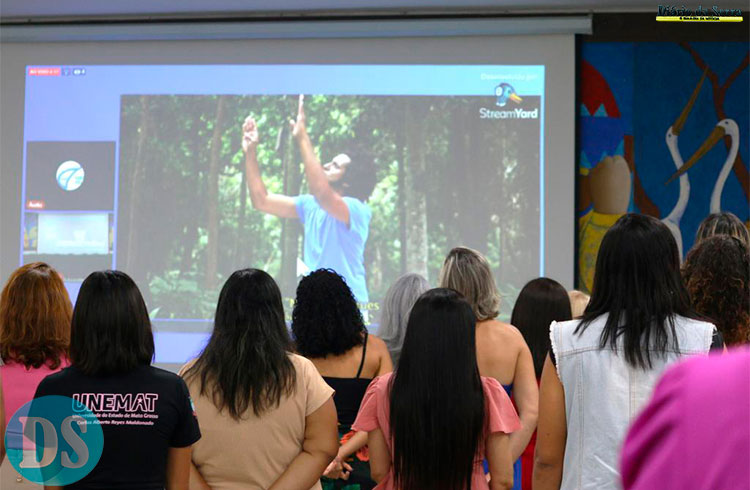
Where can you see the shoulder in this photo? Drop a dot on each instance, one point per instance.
(62, 376)
(566, 326)
(700, 373)
(692, 324)
(381, 383)
(376, 344)
(166, 379)
(491, 385)
(302, 365)
(305, 200)
(184, 369)
(355, 205)
(499, 331)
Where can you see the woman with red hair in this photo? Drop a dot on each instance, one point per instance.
(35, 314)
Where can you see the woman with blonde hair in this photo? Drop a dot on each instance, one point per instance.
(35, 313)
(502, 352)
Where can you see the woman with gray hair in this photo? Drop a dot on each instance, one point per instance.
(397, 305)
(502, 352)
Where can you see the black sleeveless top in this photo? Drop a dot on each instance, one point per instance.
(349, 392)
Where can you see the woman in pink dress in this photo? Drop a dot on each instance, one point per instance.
(35, 313)
(433, 421)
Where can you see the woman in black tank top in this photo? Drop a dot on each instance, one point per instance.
(327, 325)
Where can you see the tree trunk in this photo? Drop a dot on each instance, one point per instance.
(415, 199)
(401, 190)
(290, 228)
(212, 247)
(135, 186)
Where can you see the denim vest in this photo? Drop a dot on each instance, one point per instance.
(603, 394)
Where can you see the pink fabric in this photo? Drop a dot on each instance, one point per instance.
(373, 414)
(695, 431)
(19, 385)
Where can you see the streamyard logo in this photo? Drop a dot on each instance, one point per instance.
(503, 94)
(680, 13)
(54, 440)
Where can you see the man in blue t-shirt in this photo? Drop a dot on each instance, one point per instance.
(335, 217)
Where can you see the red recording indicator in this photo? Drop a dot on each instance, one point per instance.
(44, 72)
(35, 204)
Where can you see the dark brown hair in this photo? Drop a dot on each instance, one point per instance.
(717, 276)
(35, 314)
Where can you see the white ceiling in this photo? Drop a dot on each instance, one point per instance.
(41, 9)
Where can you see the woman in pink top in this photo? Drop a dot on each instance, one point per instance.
(434, 420)
(35, 313)
(695, 431)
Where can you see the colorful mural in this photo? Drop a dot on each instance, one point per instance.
(664, 131)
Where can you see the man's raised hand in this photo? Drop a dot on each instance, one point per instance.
(250, 136)
(298, 126)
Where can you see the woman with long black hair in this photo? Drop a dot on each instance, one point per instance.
(603, 366)
(540, 302)
(267, 417)
(432, 422)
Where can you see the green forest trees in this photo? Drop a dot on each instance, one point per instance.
(445, 178)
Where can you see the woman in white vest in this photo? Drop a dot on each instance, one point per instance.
(603, 366)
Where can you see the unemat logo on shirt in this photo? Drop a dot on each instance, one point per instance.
(54, 440)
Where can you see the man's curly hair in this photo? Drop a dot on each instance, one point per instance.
(326, 319)
(717, 277)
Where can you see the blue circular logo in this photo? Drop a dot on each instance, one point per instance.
(70, 175)
(54, 440)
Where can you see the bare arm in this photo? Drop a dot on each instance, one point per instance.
(196, 479)
(500, 461)
(276, 204)
(526, 395)
(318, 449)
(339, 468)
(552, 433)
(386, 363)
(330, 200)
(380, 455)
(178, 468)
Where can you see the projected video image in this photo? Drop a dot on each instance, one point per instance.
(400, 181)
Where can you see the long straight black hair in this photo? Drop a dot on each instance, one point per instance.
(637, 282)
(245, 364)
(437, 413)
(540, 302)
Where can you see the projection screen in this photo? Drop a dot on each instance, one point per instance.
(130, 155)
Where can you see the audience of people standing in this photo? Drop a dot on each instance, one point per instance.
(540, 302)
(603, 366)
(329, 330)
(434, 420)
(320, 409)
(35, 313)
(502, 352)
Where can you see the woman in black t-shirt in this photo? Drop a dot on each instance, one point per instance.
(111, 349)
